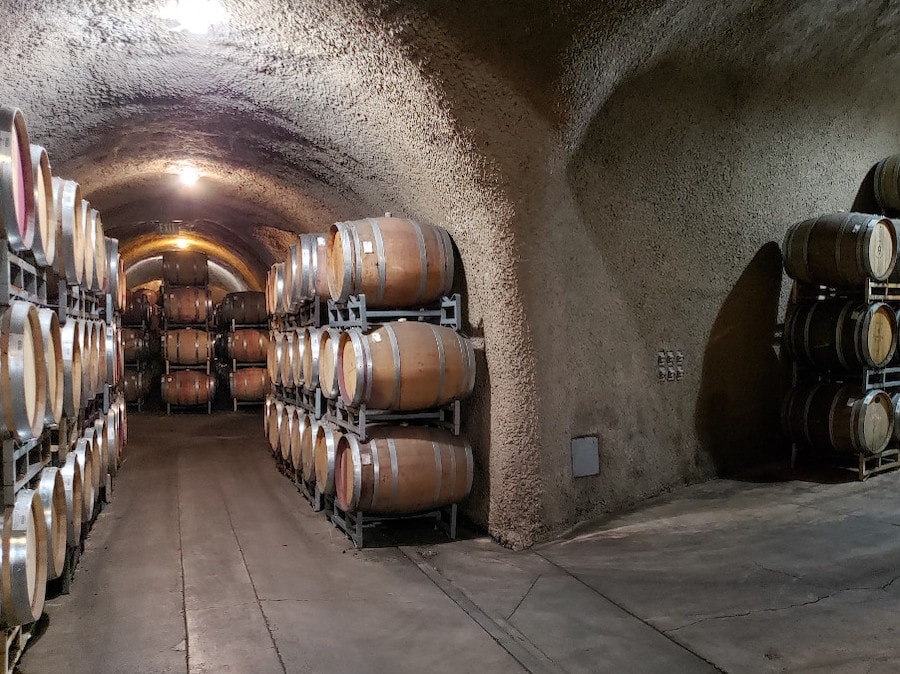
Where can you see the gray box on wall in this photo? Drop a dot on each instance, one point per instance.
(585, 456)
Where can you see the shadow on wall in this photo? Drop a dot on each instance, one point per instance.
(742, 383)
(865, 201)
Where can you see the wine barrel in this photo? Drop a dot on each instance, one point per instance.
(308, 448)
(249, 384)
(115, 358)
(184, 304)
(839, 417)
(111, 440)
(98, 461)
(53, 358)
(87, 249)
(394, 262)
(70, 243)
(23, 568)
(185, 268)
(288, 426)
(402, 470)
(136, 311)
(72, 374)
(135, 344)
(267, 411)
(244, 308)
(100, 329)
(72, 481)
(52, 492)
(188, 387)
(274, 430)
(97, 435)
(96, 242)
(887, 183)
(16, 180)
(85, 455)
(135, 385)
(842, 335)
(288, 357)
(248, 345)
(305, 274)
(840, 249)
(114, 263)
(23, 385)
(326, 442)
(895, 405)
(329, 347)
(273, 356)
(296, 451)
(89, 365)
(44, 245)
(187, 346)
(405, 366)
(311, 348)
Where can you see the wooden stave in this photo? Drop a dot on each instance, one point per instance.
(72, 368)
(185, 268)
(203, 385)
(18, 179)
(55, 369)
(23, 422)
(197, 299)
(818, 239)
(23, 584)
(833, 334)
(248, 345)
(842, 407)
(52, 493)
(70, 230)
(364, 356)
(370, 480)
(329, 348)
(187, 346)
(398, 282)
(43, 246)
(327, 438)
(72, 482)
(239, 383)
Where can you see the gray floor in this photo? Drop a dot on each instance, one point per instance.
(209, 561)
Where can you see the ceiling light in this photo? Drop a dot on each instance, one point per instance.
(189, 174)
(194, 16)
(181, 242)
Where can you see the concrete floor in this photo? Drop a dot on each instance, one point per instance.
(209, 561)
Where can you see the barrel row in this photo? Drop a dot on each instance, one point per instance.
(394, 262)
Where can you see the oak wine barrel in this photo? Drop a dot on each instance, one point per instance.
(306, 271)
(308, 448)
(187, 304)
(275, 289)
(312, 345)
(72, 374)
(842, 335)
(402, 470)
(135, 344)
(288, 357)
(115, 355)
(249, 384)
(111, 440)
(52, 492)
(395, 262)
(296, 451)
(273, 356)
(289, 424)
(840, 249)
(85, 455)
(89, 365)
(16, 180)
(96, 244)
(329, 349)
(87, 249)
(70, 241)
(185, 268)
(244, 308)
(187, 346)
(101, 451)
(274, 429)
(23, 384)
(98, 463)
(248, 345)
(839, 417)
(135, 384)
(23, 569)
(326, 441)
(887, 183)
(53, 359)
(405, 366)
(72, 481)
(136, 311)
(114, 263)
(44, 245)
(188, 387)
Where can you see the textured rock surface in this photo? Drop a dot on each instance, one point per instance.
(616, 178)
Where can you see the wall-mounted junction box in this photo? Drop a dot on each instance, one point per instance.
(585, 456)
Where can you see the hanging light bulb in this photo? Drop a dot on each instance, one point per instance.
(188, 174)
(194, 16)
(182, 243)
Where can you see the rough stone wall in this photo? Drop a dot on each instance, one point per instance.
(616, 177)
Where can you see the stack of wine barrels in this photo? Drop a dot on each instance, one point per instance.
(402, 367)
(244, 339)
(61, 363)
(187, 342)
(839, 341)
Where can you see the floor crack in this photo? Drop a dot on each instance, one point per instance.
(524, 596)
